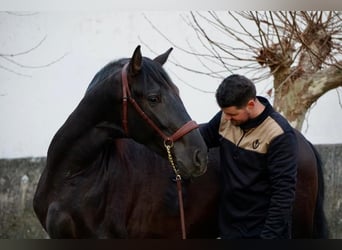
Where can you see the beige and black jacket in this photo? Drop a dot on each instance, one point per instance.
(258, 166)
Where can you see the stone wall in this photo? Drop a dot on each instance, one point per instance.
(18, 180)
(19, 177)
(332, 162)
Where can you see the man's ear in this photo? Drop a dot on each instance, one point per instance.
(250, 104)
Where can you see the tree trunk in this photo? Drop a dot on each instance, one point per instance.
(293, 97)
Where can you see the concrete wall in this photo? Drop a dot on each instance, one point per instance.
(19, 177)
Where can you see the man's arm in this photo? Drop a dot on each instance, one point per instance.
(282, 167)
(210, 131)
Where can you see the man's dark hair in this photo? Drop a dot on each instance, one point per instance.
(235, 90)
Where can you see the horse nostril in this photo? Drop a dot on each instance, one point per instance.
(196, 159)
(200, 160)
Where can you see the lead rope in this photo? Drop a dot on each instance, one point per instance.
(168, 145)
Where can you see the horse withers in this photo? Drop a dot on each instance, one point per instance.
(131, 97)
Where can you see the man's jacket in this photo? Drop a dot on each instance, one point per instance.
(259, 167)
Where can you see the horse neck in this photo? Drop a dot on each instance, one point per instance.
(80, 129)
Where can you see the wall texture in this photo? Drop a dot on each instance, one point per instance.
(19, 177)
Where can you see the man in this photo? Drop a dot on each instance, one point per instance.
(258, 155)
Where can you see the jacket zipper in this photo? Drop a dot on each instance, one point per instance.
(236, 151)
(243, 135)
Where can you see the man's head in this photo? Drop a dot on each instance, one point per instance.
(236, 96)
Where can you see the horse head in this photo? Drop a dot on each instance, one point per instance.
(152, 112)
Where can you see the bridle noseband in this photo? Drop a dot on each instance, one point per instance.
(168, 140)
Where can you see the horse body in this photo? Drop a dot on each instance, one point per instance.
(120, 195)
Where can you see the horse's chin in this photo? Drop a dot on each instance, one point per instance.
(200, 172)
(192, 175)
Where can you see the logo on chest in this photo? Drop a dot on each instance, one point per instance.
(255, 144)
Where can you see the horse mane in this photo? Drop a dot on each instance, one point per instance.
(107, 72)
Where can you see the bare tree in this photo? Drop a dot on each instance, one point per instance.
(300, 50)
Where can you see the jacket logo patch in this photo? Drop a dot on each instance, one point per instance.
(256, 144)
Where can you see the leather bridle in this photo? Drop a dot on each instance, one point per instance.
(168, 140)
(186, 128)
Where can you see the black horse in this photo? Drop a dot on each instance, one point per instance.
(104, 187)
(128, 98)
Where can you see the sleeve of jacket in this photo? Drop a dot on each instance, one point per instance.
(282, 167)
(210, 131)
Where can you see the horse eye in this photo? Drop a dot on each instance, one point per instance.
(154, 99)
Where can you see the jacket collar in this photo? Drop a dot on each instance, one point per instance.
(260, 118)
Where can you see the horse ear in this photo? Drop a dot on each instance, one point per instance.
(163, 57)
(135, 63)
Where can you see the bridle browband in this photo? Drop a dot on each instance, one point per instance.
(168, 140)
(186, 128)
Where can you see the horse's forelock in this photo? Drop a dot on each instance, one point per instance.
(157, 72)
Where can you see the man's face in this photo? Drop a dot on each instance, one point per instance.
(237, 116)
